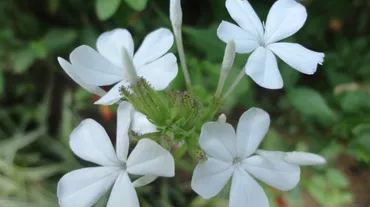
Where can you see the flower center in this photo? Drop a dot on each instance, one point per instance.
(237, 161)
(124, 166)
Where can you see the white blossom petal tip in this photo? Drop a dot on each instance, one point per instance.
(210, 177)
(90, 142)
(149, 158)
(304, 158)
(218, 140)
(273, 170)
(252, 128)
(285, 18)
(111, 43)
(243, 14)
(154, 46)
(298, 57)
(93, 68)
(72, 73)
(84, 187)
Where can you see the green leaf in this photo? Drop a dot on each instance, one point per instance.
(310, 103)
(23, 60)
(138, 5)
(2, 81)
(7, 185)
(55, 39)
(106, 8)
(337, 178)
(273, 140)
(207, 42)
(355, 101)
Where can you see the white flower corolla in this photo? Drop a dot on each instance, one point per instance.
(89, 141)
(72, 72)
(231, 155)
(106, 67)
(285, 18)
(139, 122)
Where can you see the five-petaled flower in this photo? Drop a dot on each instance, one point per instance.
(91, 69)
(89, 141)
(230, 154)
(285, 18)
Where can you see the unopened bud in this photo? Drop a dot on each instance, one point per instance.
(229, 56)
(304, 158)
(227, 63)
(222, 118)
(176, 13)
(128, 67)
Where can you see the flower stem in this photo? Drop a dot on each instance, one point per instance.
(235, 83)
(180, 48)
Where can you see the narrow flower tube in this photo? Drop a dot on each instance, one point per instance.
(227, 63)
(176, 13)
(129, 67)
(176, 21)
(229, 56)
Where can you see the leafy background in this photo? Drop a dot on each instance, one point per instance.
(328, 113)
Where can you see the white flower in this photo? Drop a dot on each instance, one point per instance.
(139, 122)
(285, 18)
(106, 66)
(230, 154)
(89, 141)
(72, 72)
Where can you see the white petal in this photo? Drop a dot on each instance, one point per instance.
(86, 186)
(245, 191)
(298, 57)
(71, 71)
(285, 18)
(145, 180)
(123, 193)
(90, 142)
(218, 140)
(304, 158)
(149, 158)
(93, 68)
(244, 41)
(113, 94)
(141, 125)
(273, 171)
(263, 69)
(252, 128)
(110, 45)
(155, 45)
(243, 14)
(210, 177)
(124, 114)
(160, 72)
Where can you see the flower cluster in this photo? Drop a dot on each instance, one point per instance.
(157, 119)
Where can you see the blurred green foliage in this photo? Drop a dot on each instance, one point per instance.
(328, 113)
